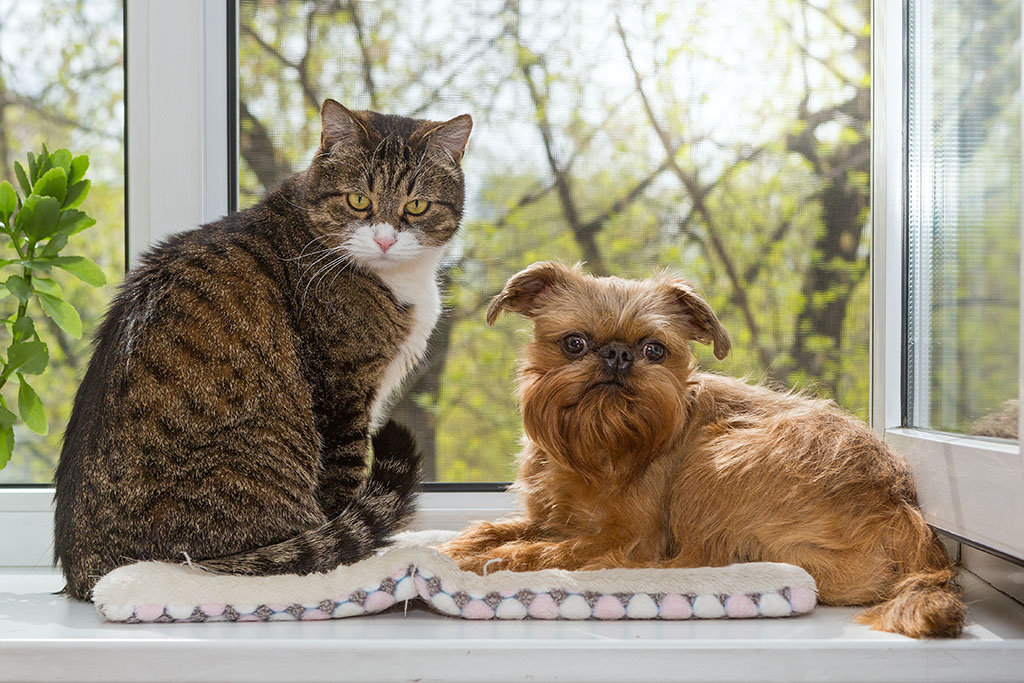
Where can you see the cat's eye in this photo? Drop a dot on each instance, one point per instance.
(359, 202)
(574, 345)
(654, 351)
(417, 207)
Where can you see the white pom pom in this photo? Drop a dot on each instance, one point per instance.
(708, 607)
(574, 607)
(641, 606)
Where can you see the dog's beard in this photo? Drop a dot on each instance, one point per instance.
(602, 431)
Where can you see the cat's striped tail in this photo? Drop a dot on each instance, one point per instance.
(383, 504)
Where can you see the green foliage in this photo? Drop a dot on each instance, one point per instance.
(751, 182)
(37, 228)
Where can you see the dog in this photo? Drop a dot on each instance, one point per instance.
(634, 458)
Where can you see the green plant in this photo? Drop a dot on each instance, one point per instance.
(38, 228)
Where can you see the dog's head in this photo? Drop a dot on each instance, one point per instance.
(603, 383)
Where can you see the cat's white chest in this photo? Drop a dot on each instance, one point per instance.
(414, 286)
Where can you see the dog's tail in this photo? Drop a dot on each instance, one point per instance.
(926, 601)
(382, 505)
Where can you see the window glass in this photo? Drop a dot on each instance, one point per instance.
(727, 141)
(964, 216)
(61, 83)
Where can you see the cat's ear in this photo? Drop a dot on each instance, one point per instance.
(450, 138)
(340, 125)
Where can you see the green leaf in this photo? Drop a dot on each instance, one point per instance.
(33, 168)
(77, 194)
(82, 268)
(79, 165)
(31, 408)
(54, 183)
(6, 444)
(19, 172)
(62, 313)
(17, 286)
(39, 264)
(47, 286)
(24, 328)
(61, 159)
(8, 201)
(73, 222)
(42, 166)
(38, 217)
(7, 418)
(29, 358)
(56, 243)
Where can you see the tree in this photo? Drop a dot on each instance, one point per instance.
(601, 137)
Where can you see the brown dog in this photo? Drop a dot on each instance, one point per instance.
(634, 459)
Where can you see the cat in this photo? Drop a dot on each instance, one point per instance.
(225, 415)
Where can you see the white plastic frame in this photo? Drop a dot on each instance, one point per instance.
(177, 117)
(973, 488)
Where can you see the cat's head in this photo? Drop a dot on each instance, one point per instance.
(387, 190)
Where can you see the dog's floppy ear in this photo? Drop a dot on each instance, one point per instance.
(699, 317)
(523, 291)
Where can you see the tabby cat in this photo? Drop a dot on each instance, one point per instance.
(225, 416)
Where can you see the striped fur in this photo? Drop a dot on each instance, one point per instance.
(384, 503)
(225, 416)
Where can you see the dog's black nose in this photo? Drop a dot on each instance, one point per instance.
(618, 358)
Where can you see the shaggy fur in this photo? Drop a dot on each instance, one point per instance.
(636, 459)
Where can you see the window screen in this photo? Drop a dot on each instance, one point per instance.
(727, 141)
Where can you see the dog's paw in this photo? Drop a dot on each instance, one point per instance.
(466, 559)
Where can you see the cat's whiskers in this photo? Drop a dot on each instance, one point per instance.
(310, 243)
(342, 270)
(321, 274)
(328, 253)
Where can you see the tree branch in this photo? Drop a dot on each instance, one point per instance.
(307, 89)
(697, 195)
(570, 211)
(371, 87)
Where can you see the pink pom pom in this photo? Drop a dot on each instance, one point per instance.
(740, 607)
(148, 612)
(674, 606)
(543, 607)
(609, 607)
(477, 609)
(314, 614)
(378, 601)
(213, 609)
(802, 599)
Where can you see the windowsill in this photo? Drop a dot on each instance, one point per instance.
(47, 637)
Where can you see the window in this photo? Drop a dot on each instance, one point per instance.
(946, 283)
(62, 84)
(728, 141)
(963, 297)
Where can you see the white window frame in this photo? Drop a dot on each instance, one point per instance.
(177, 142)
(970, 487)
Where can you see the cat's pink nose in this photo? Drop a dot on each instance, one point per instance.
(384, 242)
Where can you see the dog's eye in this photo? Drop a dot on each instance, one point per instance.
(574, 345)
(654, 351)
